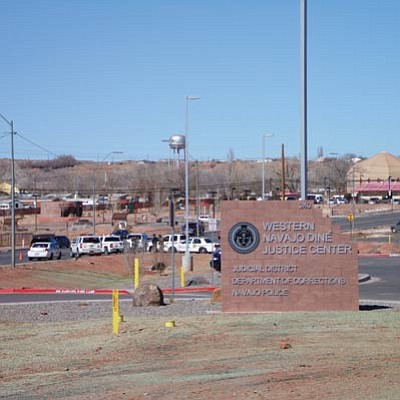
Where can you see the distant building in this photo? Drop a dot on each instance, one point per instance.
(378, 176)
(5, 188)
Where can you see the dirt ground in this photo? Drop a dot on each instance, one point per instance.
(96, 272)
(217, 356)
(263, 356)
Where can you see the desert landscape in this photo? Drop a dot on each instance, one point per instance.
(210, 355)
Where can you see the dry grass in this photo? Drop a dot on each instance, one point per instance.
(114, 271)
(331, 356)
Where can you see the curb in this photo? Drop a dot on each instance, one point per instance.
(98, 291)
(59, 291)
(381, 303)
(363, 278)
(379, 255)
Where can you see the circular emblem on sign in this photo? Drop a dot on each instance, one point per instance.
(243, 237)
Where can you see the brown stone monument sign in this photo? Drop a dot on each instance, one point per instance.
(285, 256)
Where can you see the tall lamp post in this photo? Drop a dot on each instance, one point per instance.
(303, 99)
(265, 135)
(11, 125)
(94, 189)
(186, 259)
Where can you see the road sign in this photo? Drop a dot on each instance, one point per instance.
(212, 224)
(350, 217)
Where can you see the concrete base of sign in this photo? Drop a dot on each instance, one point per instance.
(187, 262)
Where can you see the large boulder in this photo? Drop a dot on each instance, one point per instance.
(148, 294)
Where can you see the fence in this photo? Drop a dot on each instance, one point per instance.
(21, 238)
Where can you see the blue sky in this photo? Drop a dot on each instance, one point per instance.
(90, 77)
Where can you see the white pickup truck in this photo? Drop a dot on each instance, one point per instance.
(111, 244)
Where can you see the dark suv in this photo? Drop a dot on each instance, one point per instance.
(44, 238)
(63, 242)
(121, 233)
(215, 261)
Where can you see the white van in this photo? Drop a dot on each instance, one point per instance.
(204, 218)
(7, 205)
(338, 199)
(316, 198)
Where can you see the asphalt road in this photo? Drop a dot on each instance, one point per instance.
(384, 284)
(5, 257)
(42, 298)
(368, 221)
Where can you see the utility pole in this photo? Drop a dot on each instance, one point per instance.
(283, 173)
(11, 125)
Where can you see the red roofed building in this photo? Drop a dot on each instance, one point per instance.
(378, 176)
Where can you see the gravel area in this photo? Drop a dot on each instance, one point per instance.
(58, 311)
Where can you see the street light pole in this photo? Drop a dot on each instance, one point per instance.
(265, 135)
(12, 198)
(303, 99)
(11, 125)
(94, 190)
(353, 204)
(186, 260)
(197, 199)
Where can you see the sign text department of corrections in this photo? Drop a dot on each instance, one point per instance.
(285, 256)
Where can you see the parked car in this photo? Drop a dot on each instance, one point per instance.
(139, 241)
(90, 245)
(338, 199)
(167, 242)
(111, 244)
(204, 218)
(374, 200)
(121, 233)
(63, 243)
(198, 245)
(8, 205)
(44, 238)
(395, 228)
(316, 198)
(215, 261)
(44, 250)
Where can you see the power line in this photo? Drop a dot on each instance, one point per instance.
(36, 145)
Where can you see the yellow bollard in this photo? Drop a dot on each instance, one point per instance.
(182, 277)
(116, 318)
(136, 273)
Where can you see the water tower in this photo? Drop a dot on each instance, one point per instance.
(177, 143)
